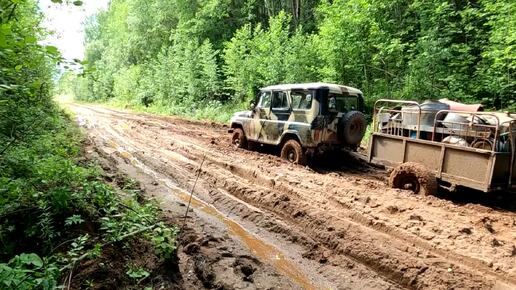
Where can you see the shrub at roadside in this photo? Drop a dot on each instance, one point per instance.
(55, 212)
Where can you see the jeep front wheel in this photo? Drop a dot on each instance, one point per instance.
(293, 152)
(415, 177)
(238, 139)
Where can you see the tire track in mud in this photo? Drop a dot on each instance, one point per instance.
(281, 205)
(365, 280)
(256, 216)
(353, 219)
(408, 260)
(261, 249)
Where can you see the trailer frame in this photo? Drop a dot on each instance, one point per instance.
(392, 144)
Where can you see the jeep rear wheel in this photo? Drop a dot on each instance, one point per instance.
(415, 177)
(293, 152)
(238, 139)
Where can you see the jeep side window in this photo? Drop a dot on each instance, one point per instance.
(301, 100)
(279, 100)
(352, 103)
(342, 103)
(265, 100)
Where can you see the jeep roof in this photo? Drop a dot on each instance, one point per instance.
(333, 87)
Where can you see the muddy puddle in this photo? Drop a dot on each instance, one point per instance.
(262, 250)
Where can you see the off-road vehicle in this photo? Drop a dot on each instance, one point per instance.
(303, 119)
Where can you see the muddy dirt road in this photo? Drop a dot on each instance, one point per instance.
(313, 228)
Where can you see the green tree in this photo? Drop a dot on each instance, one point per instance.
(259, 57)
(181, 53)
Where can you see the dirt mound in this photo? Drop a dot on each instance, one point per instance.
(110, 270)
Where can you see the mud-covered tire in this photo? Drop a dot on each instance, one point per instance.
(238, 138)
(415, 177)
(352, 128)
(293, 152)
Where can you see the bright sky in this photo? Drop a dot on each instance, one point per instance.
(67, 23)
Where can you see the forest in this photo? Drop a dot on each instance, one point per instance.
(204, 59)
(200, 58)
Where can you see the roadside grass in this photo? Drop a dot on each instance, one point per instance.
(57, 211)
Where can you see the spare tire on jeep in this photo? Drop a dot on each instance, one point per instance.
(352, 127)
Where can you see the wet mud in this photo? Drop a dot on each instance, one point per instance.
(334, 225)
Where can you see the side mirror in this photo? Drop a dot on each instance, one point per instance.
(252, 106)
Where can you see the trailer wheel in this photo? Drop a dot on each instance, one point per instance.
(293, 152)
(238, 139)
(482, 144)
(415, 177)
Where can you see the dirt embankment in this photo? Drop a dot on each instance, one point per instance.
(334, 227)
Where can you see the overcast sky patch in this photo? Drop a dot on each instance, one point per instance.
(67, 23)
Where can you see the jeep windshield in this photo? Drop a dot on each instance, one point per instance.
(343, 103)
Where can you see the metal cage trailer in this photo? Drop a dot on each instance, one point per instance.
(428, 145)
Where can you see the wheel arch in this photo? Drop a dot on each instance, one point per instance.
(289, 135)
(235, 125)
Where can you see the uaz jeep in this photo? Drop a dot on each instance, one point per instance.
(303, 119)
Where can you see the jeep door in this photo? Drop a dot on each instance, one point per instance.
(260, 116)
(304, 111)
(280, 113)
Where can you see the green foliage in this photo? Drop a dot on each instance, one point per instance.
(28, 271)
(186, 73)
(166, 55)
(164, 239)
(258, 57)
(184, 57)
(137, 273)
(416, 49)
(125, 84)
(498, 67)
(46, 196)
(48, 200)
(25, 71)
(74, 220)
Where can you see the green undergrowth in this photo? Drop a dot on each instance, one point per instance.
(57, 211)
(367, 135)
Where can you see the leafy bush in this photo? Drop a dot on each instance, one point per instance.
(259, 57)
(28, 271)
(47, 198)
(54, 210)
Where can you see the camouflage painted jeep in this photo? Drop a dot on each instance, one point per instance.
(303, 119)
